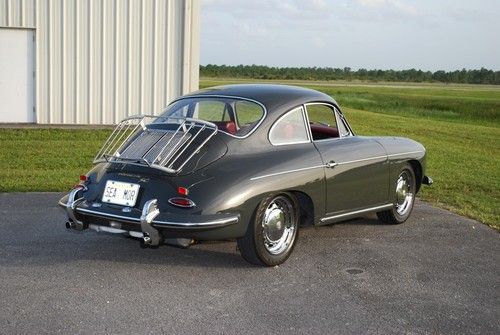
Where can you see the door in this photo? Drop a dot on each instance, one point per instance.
(17, 95)
(357, 170)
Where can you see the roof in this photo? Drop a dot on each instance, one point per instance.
(270, 95)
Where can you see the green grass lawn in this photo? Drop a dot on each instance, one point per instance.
(46, 159)
(459, 125)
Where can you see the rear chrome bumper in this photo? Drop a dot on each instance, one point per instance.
(204, 224)
(148, 222)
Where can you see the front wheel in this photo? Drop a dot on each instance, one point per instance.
(404, 198)
(272, 234)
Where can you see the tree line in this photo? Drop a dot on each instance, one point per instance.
(481, 76)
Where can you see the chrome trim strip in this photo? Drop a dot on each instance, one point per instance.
(288, 171)
(378, 157)
(206, 224)
(336, 164)
(407, 153)
(361, 211)
(211, 224)
(361, 160)
(290, 143)
(227, 97)
(191, 202)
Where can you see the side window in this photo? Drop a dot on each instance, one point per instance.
(343, 130)
(289, 129)
(247, 115)
(180, 113)
(322, 122)
(211, 111)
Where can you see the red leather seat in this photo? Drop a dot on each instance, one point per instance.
(288, 131)
(321, 132)
(231, 127)
(228, 127)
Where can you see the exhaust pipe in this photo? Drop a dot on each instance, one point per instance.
(75, 225)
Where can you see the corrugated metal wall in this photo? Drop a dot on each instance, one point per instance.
(98, 61)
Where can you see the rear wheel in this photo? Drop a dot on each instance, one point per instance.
(404, 198)
(272, 234)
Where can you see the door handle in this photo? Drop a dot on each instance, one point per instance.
(331, 164)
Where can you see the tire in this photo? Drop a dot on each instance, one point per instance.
(272, 233)
(404, 198)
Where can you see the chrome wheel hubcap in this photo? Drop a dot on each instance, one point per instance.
(404, 193)
(279, 225)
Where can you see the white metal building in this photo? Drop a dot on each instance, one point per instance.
(95, 61)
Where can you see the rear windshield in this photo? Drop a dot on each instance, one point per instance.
(234, 116)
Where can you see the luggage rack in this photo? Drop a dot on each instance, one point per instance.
(134, 141)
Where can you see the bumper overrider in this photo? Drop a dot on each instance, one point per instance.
(148, 223)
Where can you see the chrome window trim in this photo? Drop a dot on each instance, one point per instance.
(341, 119)
(338, 118)
(227, 97)
(344, 121)
(342, 116)
(291, 142)
(308, 125)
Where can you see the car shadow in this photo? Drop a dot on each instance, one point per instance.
(69, 247)
(76, 247)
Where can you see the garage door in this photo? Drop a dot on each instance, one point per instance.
(17, 90)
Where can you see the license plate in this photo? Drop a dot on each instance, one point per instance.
(119, 193)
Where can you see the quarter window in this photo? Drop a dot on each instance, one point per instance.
(344, 131)
(289, 129)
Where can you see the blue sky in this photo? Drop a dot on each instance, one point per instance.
(382, 34)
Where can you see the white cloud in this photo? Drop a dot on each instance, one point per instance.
(371, 3)
(405, 7)
(398, 5)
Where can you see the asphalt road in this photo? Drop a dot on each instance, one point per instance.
(437, 273)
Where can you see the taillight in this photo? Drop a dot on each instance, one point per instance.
(181, 202)
(182, 190)
(82, 180)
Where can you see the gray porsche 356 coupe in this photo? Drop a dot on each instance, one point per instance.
(244, 162)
